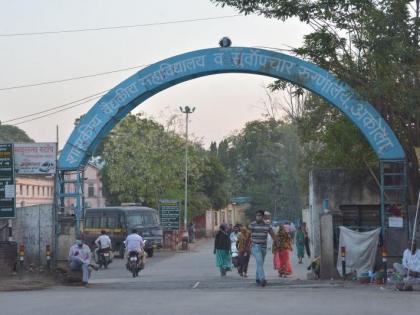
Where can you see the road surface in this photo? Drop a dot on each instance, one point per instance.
(189, 283)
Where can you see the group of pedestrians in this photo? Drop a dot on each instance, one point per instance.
(234, 246)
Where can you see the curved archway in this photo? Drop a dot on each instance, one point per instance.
(123, 98)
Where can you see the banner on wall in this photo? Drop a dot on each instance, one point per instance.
(35, 158)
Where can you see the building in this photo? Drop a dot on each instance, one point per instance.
(354, 202)
(92, 186)
(34, 190)
(234, 212)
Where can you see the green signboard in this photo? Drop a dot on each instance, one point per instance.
(169, 214)
(7, 182)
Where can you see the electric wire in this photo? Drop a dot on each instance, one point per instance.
(120, 26)
(102, 73)
(58, 111)
(80, 102)
(55, 107)
(71, 78)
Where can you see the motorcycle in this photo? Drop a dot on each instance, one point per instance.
(104, 258)
(135, 263)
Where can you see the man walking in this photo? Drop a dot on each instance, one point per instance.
(259, 233)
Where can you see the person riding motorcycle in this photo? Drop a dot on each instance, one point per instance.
(134, 244)
(103, 242)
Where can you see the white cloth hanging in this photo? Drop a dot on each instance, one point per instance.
(361, 250)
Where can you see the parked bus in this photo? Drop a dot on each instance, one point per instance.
(119, 221)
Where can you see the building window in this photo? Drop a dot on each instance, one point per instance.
(91, 190)
(38, 188)
(33, 191)
(27, 190)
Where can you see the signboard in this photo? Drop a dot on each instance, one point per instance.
(395, 222)
(7, 182)
(35, 158)
(169, 214)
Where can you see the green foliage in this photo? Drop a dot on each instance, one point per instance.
(146, 163)
(263, 162)
(215, 182)
(10, 133)
(374, 47)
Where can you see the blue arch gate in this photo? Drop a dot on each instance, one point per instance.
(118, 102)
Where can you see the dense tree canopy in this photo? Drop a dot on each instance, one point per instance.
(263, 161)
(10, 133)
(373, 46)
(145, 162)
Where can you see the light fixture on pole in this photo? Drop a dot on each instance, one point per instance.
(186, 110)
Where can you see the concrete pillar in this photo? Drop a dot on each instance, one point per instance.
(328, 268)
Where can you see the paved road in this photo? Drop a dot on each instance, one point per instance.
(179, 283)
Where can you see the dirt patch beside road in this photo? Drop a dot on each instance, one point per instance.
(26, 282)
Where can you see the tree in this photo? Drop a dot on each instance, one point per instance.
(263, 164)
(371, 45)
(215, 182)
(145, 162)
(10, 133)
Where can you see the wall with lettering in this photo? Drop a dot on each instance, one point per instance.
(123, 98)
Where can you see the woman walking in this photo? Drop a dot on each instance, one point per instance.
(222, 250)
(281, 256)
(300, 243)
(244, 251)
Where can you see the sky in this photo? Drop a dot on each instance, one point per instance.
(224, 102)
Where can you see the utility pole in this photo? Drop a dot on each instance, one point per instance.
(186, 110)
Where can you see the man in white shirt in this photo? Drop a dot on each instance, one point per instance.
(410, 261)
(267, 220)
(103, 241)
(79, 259)
(134, 242)
(233, 249)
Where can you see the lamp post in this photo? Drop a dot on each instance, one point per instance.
(186, 110)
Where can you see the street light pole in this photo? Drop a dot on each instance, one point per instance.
(186, 110)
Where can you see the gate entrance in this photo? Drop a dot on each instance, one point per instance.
(118, 102)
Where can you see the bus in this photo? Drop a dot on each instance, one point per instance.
(118, 223)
